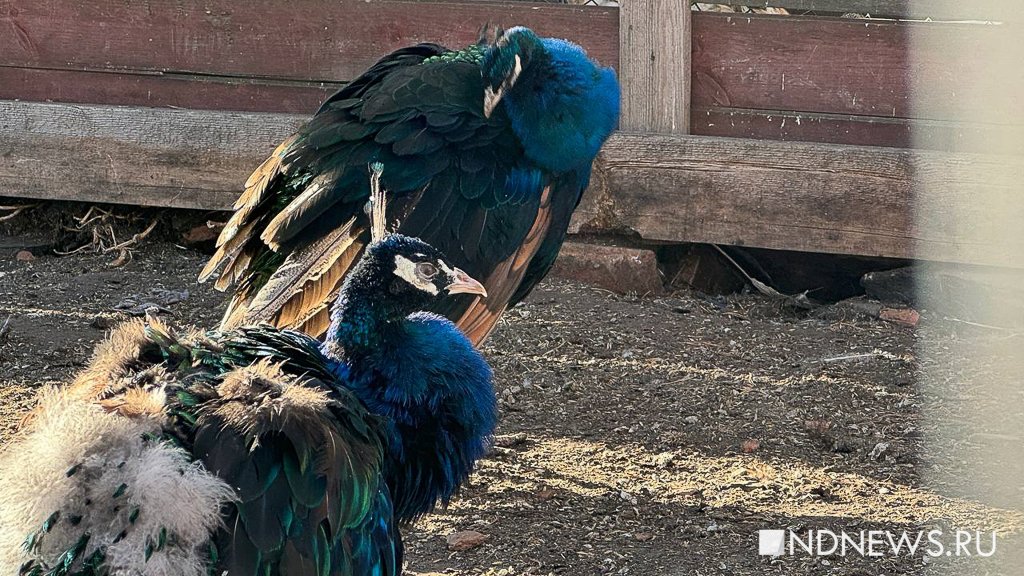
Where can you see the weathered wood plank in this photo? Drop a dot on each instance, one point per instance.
(662, 188)
(163, 90)
(802, 127)
(800, 196)
(910, 9)
(842, 129)
(841, 66)
(654, 66)
(149, 157)
(317, 40)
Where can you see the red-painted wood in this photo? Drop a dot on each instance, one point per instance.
(850, 81)
(162, 90)
(842, 129)
(314, 40)
(838, 66)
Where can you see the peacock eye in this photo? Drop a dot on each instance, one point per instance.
(426, 270)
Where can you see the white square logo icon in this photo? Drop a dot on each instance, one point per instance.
(771, 542)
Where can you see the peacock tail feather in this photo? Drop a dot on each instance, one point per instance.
(185, 455)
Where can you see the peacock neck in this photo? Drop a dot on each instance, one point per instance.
(370, 344)
(360, 326)
(430, 451)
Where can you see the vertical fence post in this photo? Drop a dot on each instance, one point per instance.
(654, 65)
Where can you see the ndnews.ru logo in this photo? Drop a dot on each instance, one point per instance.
(876, 543)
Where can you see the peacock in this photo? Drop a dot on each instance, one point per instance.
(257, 450)
(489, 151)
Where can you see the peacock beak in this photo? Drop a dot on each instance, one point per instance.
(465, 284)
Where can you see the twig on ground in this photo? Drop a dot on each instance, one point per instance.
(135, 239)
(15, 210)
(1011, 331)
(797, 300)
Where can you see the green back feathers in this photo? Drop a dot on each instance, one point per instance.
(473, 54)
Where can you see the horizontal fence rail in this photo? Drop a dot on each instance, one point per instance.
(795, 196)
(800, 196)
(244, 54)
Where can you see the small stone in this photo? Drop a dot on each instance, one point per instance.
(878, 450)
(545, 493)
(201, 233)
(465, 540)
(155, 301)
(842, 445)
(691, 420)
(24, 256)
(664, 459)
(883, 490)
(817, 426)
(510, 440)
(903, 316)
(101, 322)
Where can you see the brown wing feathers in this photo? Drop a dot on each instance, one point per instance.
(300, 291)
(302, 210)
(481, 317)
(239, 228)
(259, 181)
(232, 253)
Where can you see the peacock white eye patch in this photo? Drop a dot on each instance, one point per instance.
(448, 270)
(406, 270)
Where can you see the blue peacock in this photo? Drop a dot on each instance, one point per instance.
(489, 151)
(257, 451)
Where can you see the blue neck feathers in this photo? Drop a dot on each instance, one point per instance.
(432, 388)
(563, 107)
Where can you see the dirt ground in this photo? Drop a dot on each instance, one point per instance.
(639, 435)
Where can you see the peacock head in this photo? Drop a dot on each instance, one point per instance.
(562, 104)
(396, 277)
(414, 274)
(503, 64)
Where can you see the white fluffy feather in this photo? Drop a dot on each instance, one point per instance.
(170, 492)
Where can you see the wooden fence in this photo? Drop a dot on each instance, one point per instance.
(787, 132)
